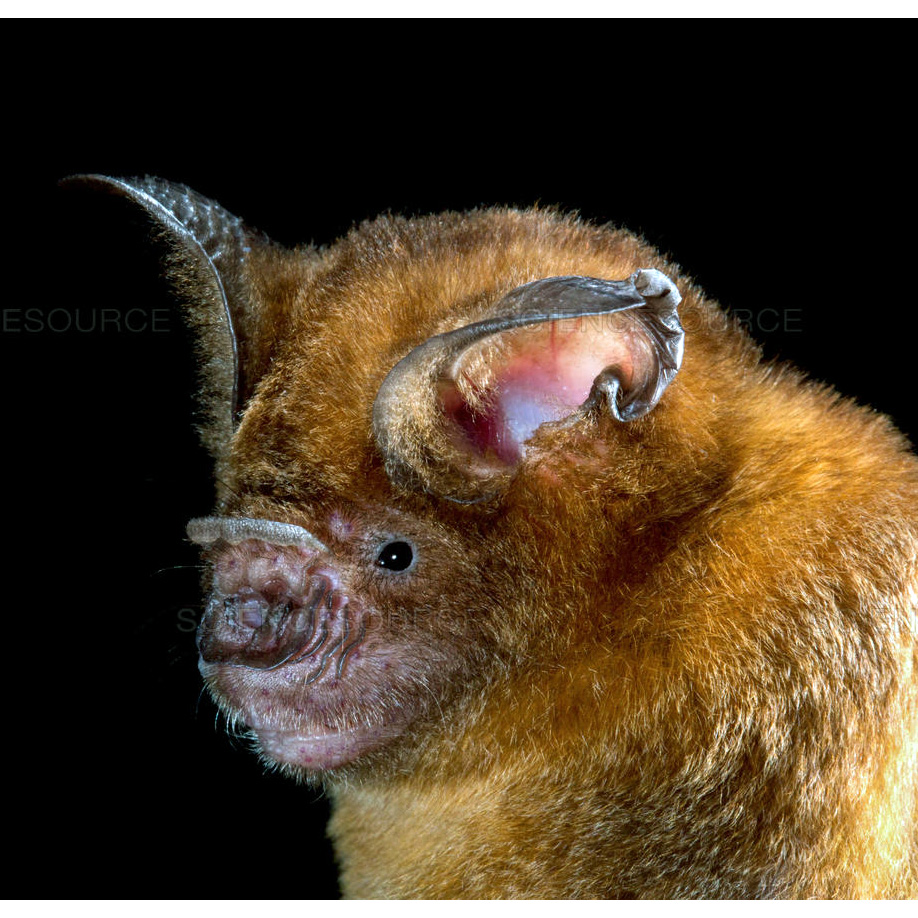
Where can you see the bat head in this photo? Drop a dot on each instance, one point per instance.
(442, 446)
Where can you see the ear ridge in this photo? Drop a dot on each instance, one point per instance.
(207, 248)
(660, 321)
(451, 417)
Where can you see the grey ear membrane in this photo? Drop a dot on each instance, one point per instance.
(207, 248)
(454, 415)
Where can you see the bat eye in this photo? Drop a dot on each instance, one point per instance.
(395, 556)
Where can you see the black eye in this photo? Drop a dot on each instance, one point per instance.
(396, 556)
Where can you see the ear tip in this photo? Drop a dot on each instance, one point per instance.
(96, 181)
(139, 190)
(80, 178)
(655, 285)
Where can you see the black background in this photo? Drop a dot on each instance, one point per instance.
(787, 203)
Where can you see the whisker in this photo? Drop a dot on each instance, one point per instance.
(179, 567)
(197, 704)
(324, 661)
(309, 651)
(225, 485)
(351, 646)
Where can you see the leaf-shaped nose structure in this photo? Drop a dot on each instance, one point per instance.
(209, 529)
(250, 628)
(274, 601)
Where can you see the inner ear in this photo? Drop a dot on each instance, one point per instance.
(453, 416)
(500, 390)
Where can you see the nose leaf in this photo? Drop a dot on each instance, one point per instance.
(209, 529)
(273, 604)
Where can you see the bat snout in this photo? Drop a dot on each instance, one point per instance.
(274, 605)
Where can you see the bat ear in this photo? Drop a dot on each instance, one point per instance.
(207, 248)
(454, 416)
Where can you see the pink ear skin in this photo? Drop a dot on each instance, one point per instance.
(453, 416)
(543, 373)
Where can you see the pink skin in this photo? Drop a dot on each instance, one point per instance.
(325, 749)
(298, 687)
(546, 374)
(312, 727)
(290, 722)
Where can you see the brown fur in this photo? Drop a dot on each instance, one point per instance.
(674, 657)
(733, 713)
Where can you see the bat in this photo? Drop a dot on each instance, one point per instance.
(523, 553)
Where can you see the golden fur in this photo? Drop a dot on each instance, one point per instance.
(683, 648)
(715, 693)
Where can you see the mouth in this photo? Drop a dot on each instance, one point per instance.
(312, 728)
(323, 749)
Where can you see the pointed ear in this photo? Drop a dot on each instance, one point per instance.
(454, 416)
(206, 252)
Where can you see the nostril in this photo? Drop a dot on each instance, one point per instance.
(252, 612)
(276, 590)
